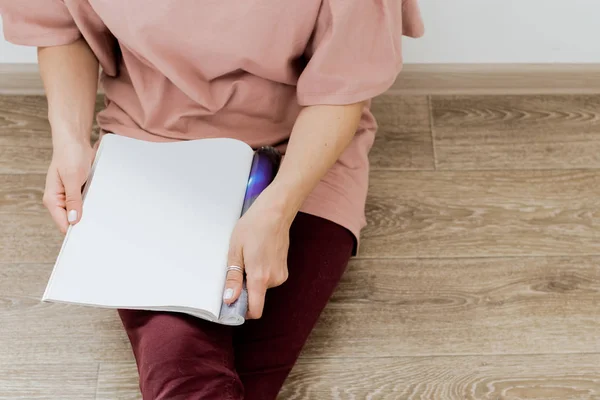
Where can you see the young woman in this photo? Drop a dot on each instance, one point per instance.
(296, 74)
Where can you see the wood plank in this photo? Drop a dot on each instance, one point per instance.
(387, 307)
(56, 381)
(118, 381)
(41, 333)
(482, 214)
(17, 160)
(517, 132)
(381, 308)
(28, 238)
(403, 139)
(24, 121)
(544, 377)
(22, 194)
(25, 140)
(27, 233)
(497, 79)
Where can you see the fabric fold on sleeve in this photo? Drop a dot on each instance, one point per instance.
(355, 52)
(38, 23)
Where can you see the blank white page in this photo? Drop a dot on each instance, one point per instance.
(156, 224)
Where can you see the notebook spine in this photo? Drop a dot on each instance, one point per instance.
(265, 165)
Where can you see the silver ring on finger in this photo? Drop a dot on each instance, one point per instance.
(235, 268)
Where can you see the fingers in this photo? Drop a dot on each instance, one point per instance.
(257, 288)
(73, 184)
(59, 215)
(54, 200)
(233, 285)
(279, 277)
(235, 275)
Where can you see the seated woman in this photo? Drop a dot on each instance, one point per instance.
(295, 74)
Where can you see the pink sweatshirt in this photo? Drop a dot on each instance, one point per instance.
(190, 69)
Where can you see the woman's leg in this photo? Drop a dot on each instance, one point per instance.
(180, 357)
(266, 349)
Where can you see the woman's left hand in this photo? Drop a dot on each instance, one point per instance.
(259, 244)
(260, 240)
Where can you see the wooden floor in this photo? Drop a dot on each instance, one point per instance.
(478, 276)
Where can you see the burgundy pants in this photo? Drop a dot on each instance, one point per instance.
(180, 357)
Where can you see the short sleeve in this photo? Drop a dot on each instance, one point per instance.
(355, 52)
(38, 22)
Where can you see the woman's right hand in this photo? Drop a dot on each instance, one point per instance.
(69, 169)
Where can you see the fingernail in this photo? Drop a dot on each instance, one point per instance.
(228, 294)
(72, 216)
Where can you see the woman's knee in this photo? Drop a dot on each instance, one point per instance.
(179, 354)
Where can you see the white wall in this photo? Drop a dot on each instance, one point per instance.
(508, 31)
(483, 31)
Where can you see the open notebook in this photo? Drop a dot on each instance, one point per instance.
(156, 224)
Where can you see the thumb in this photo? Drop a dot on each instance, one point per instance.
(73, 200)
(235, 274)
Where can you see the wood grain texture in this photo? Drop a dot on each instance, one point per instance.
(517, 132)
(41, 333)
(543, 377)
(118, 381)
(403, 139)
(482, 213)
(56, 381)
(497, 79)
(386, 307)
(25, 140)
(472, 284)
(381, 308)
(27, 233)
(28, 238)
